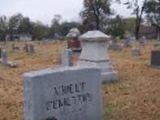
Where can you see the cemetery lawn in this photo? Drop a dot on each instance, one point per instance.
(136, 96)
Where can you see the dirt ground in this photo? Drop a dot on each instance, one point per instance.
(136, 96)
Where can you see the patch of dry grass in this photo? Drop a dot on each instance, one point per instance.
(136, 96)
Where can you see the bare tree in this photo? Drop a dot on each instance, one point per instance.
(94, 12)
(138, 11)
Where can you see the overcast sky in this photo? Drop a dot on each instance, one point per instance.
(44, 10)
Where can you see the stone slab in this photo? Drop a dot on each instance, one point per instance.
(107, 72)
(109, 77)
(70, 93)
(66, 57)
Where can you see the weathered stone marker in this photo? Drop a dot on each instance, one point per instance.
(135, 51)
(69, 93)
(94, 53)
(66, 57)
(4, 56)
(29, 48)
(0, 52)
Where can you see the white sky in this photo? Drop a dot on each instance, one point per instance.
(44, 10)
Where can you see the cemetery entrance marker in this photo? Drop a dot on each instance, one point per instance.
(69, 93)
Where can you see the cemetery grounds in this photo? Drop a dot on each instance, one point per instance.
(136, 96)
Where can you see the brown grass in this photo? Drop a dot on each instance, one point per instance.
(136, 96)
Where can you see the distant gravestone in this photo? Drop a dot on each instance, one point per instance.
(63, 94)
(116, 46)
(25, 48)
(14, 47)
(143, 41)
(0, 52)
(136, 52)
(66, 57)
(4, 59)
(29, 48)
(4, 56)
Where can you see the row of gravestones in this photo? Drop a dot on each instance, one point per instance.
(136, 51)
(129, 42)
(28, 47)
(71, 93)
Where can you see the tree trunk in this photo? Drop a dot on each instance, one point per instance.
(137, 24)
(137, 31)
(158, 35)
(97, 22)
(139, 20)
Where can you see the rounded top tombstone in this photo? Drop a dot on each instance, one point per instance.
(73, 33)
(94, 36)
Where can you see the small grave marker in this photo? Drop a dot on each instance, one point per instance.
(4, 59)
(66, 57)
(4, 56)
(135, 51)
(14, 47)
(0, 52)
(29, 48)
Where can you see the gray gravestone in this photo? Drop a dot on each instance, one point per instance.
(4, 56)
(25, 48)
(66, 57)
(69, 93)
(136, 52)
(31, 48)
(0, 52)
(14, 47)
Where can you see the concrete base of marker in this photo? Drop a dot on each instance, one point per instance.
(9, 64)
(107, 72)
(109, 77)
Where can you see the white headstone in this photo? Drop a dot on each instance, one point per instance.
(94, 53)
(63, 94)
